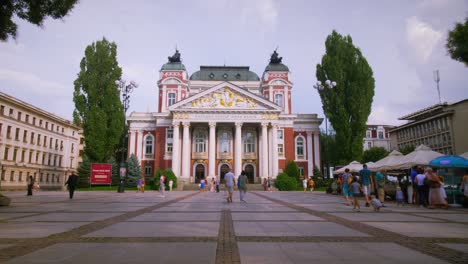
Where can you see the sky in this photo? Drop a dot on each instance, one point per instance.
(403, 42)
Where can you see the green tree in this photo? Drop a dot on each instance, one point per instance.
(374, 154)
(284, 182)
(98, 108)
(329, 151)
(292, 170)
(169, 174)
(407, 149)
(347, 105)
(133, 171)
(84, 172)
(33, 11)
(115, 177)
(457, 42)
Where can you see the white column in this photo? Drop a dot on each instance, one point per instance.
(212, 150)
(270, 152)
(275, 150)
(186, 152)
(238, 149)
(179, 93)
(286, 100)
(310, 156)
(163, 100)
(270, 94)
(176, 149)
(139, 149)
(131, 142)
(264, 157)
(317, 150)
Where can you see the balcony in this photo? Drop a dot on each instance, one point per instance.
(199, 155)
(224, 155)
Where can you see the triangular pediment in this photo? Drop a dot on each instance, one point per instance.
(225, 96)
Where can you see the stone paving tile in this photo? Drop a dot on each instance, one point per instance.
(459, 247)
(287, 228)
(5, 245)
(383, 217)
(462, 218)
(274, 217)
(35, 229)
(66, 217)
(164, 229)
(424, 230)
(116, 253)
(359, 252)
(5, 216)
(177, 217)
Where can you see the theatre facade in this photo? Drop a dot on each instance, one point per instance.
(224, 117)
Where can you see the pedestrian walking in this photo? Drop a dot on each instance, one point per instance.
(265, 184)
(162, 187)
(269, 183)
(356, 192)
(170, 185)
(422, 189)
(217, 185)
(242, 185)
(230, 181)
(311, 184)
(435, 197)
(304, 184)
(366, 179)
(30, 185)
(212, 185)
(142, 184)
(71, 184)
(380, 182)
(139, 185)
(399, 196)
(346, 181)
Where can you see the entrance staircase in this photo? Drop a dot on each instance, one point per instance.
(194, 187)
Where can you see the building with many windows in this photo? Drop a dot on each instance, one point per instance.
(378, 136)
(442, 127)
(35, 142)
(224, 117)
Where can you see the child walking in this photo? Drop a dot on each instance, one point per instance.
(356, 189)
(399, 196)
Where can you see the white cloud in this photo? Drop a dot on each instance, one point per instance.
(421, 37)
(263, 14)
(381, 115)
(31, 83)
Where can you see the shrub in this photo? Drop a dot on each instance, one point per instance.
(285, 183)
(292, 170)
(169, 176)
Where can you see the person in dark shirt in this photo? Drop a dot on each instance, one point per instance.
(71, 183)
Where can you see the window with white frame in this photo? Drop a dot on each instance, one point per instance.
(301, 170)
(280, 143)
(249, 140)
(281, 150)
(171, 99)
(169, 138)
(200, 138)
(368, 134)
(279, 99)
(224, 141)
(148, 170)
(149, 141)
(369, 145)
(380, 134)
(300, 147)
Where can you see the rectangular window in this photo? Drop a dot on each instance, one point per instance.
(32, 138)
(12, 176)
(280, 149)
(51, 143)
(380, 133)
(171, 99)
(20, 176)
(3, 175)
(23, 154)
(301, 170)
(38, 139)
(170, 133)
(1, 128)
(5, 155)
(46, 125)
(27, 118)
(81, 141)
(73, 148)
(2, 109)
(15, 152)
(19, 116)
(45, 141)
(9, 132)
(56, 144)
(47, 177)
(17, 134)
(30, 157)
(280, 134)
(148, 170)
(169, 147)
(11, 112)
(52, 127)
(25, 136)
(37, 158)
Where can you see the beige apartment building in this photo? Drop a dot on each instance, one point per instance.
(442, 127)
(34, 142)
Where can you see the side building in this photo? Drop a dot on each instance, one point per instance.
(442, 127)
(35, 143)
(378, 136)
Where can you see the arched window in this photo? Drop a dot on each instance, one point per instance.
(248, 141)
(171, 99)
(224, 141)
(300, 148)
(200, 137)
(149, 140)
(279, 99)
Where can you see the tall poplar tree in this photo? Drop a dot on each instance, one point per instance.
(98, 108)
(347, 105)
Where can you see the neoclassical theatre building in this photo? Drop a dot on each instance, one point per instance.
(224, 117)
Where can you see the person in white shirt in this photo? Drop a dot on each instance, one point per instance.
(170, 185)
(230, 182)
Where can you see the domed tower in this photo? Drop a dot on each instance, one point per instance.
(172, 83)
(275, 85)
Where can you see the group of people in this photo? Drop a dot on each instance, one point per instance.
(308, 182)
(213, 185)
(267, 183)
(428, 188)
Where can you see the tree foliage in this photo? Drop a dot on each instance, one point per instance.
(169, 174)
(33, 11)
(347, 105)
(115, 177)
(292, 170)
(407, 149)
(457, 42)
(98, 108)
(84, 173)
(284, 182)
(374, 154)
(329, 151)
(133, 171)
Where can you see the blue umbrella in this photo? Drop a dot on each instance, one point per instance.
(450, 161)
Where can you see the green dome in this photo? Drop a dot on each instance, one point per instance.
(173, 66)
(276, 67)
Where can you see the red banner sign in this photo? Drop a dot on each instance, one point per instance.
(101, 173)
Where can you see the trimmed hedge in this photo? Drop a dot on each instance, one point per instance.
(169, 176)
(285, 183)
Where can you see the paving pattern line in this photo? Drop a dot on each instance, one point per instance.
(227, 250)
(35, 244)
(428, 248)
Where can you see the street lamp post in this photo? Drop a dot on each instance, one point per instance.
(125, 91)
(325, 88)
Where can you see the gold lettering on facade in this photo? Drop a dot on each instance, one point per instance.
(270, 116)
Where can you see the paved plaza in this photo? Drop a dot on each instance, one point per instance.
(192, 227)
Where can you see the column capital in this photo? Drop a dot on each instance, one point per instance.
(212, 124)
(176, 124)
(309, 132)
(275, 125)
(264, 124)
(186, 124)
(238, 124)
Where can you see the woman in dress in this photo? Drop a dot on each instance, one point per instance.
(435, 197)
(212, 185)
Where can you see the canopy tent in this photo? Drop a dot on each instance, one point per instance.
(383, 164)
(465, 155)
(422, 155)
(449, 161)
(353, 167)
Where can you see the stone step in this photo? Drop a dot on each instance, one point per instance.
(194, 186)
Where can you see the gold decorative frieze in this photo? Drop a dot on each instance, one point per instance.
(180, 116)
(270, 116)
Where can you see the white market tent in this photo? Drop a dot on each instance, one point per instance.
(393, 158)
(422, 155)
(465, 155)
(353, 167)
